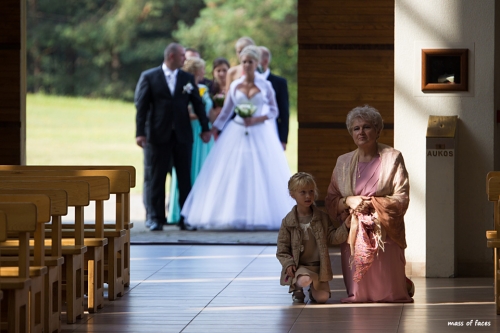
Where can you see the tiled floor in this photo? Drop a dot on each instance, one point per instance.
(186, 288)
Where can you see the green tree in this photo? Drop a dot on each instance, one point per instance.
(99, 47)
(272, 23)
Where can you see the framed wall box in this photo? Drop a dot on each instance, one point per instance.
(444, 70)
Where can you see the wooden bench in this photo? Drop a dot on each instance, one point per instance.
(72, 273)
(119, 182)
(37, 269)
(122, 200)
(492, 236)
(94, 257)
(53, 279)
(21, 220)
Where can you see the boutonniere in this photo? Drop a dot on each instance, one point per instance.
(188, 88)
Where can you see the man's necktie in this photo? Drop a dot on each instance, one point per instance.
(170, 81)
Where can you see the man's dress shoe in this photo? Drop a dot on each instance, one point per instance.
(156, 226)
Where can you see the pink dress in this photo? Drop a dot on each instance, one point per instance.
(385, 280)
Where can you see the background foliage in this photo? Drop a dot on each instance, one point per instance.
(97, 48)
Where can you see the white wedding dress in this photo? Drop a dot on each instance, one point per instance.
(243, 184)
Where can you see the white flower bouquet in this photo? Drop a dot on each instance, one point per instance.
(245, 110)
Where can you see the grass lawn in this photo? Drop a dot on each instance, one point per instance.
(68, 130)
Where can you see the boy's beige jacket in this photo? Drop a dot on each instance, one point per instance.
(290, 242)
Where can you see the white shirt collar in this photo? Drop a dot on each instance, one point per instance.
(266, 73)
(168, 71)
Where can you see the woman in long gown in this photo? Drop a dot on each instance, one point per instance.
(243, 183)
(218, 88)
(195, 66)
(370, 186)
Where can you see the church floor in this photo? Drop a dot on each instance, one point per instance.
(235, 288)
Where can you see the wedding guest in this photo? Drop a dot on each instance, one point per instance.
(193, 53)
(218, 87)
(236, 72)
(303, 241)
(280, 87)
(163, 127)
(370, 188)
(196, 67)
(242, 184)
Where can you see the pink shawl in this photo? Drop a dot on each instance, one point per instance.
(389, 205)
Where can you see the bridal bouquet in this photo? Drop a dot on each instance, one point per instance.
(219, 99)
(245, 110)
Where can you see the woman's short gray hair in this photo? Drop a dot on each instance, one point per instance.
(252, 51)
(367, 113)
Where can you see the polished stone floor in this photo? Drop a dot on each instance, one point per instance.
(235, 288)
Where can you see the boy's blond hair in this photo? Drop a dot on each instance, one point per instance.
(300, 180)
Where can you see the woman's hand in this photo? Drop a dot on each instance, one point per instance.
(290, 271)
(357, 201)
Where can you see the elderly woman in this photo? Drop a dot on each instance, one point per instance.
(370, 186)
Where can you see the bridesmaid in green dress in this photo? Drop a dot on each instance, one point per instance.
(195, 66)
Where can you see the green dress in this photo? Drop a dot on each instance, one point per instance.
(200, 153)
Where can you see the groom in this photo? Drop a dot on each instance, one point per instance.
(163, 130)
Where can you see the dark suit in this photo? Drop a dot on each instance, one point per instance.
(164, 120)
(280, 87)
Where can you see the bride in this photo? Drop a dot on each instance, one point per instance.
(243, 182)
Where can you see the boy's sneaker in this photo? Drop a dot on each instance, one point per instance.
(298, 296)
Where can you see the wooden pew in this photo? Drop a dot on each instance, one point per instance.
(38, 270)
(53, 279)
(72, 274)
(492, 236)
(116, 233)
(122, 199)
(119, 182)
(94, 257)
(122, 178)
(21, 220)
